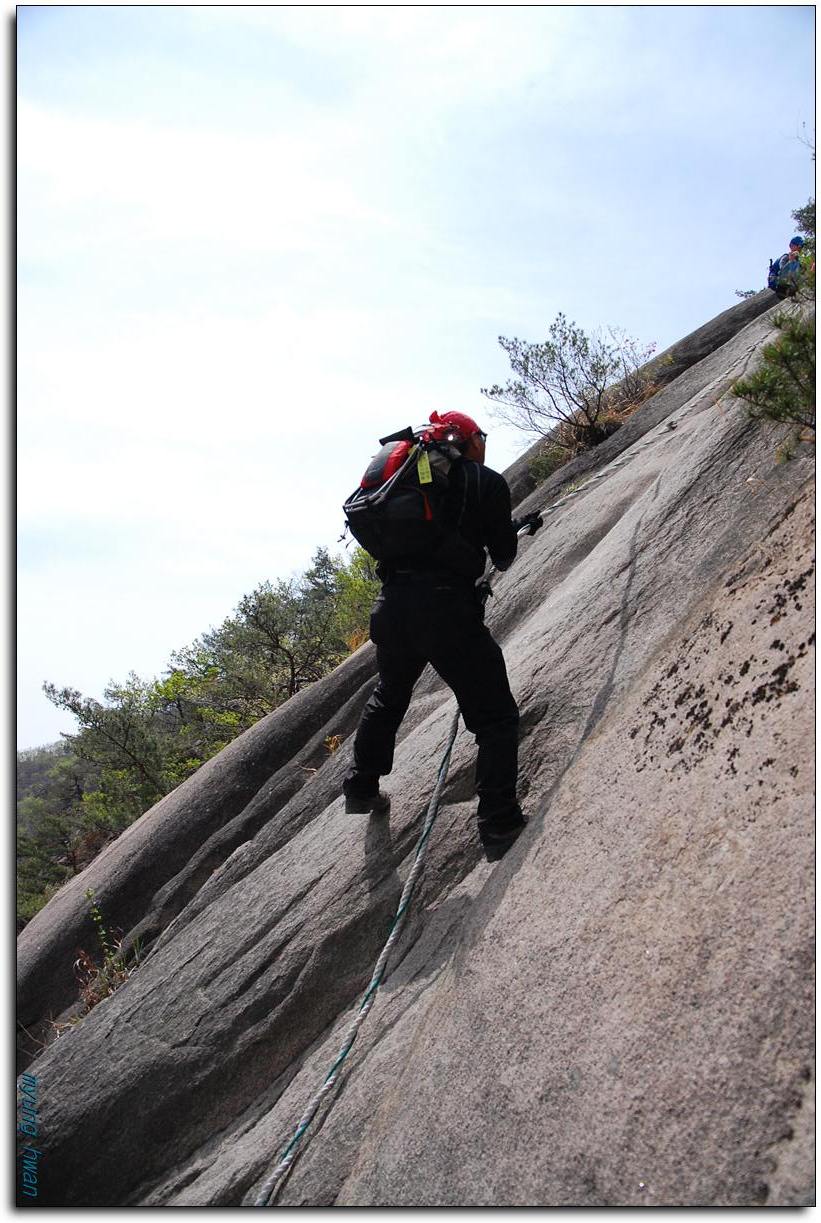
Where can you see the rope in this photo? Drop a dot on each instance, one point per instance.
(274, 1182)
(628, 457)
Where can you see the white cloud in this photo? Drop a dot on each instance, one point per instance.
(272, 192)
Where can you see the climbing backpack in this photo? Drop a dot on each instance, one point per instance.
(776, 273)
(398, 509)
(784, 274)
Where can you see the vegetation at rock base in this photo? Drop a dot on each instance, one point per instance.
(145, 737)
(99, 978)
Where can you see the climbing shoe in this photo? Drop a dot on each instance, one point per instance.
(376, 804)
(496, 844)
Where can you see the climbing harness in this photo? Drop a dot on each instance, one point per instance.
(274, 1182)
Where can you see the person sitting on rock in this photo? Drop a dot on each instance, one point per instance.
(429, 611)
(785, 271)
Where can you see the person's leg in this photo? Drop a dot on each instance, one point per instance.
(376, 737)
(472, 664)
(399, 669)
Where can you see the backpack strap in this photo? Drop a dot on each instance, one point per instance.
(464, 499)
(404, 435)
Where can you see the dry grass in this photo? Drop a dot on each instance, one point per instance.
(357, 638)
(572, 438)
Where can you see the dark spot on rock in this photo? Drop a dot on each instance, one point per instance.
(744, 668)
(672, 670)
(800, 582)
(776, 645)
(761, 1192)
(777, 686)
(780, 672)
(726, 632)
(765, 764)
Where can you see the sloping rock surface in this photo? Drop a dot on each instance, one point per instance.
(154, 868)
(620, 1012)
(151, 872)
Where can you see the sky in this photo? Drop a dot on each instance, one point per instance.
(252, 240)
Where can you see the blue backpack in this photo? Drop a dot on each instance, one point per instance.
(775, 272)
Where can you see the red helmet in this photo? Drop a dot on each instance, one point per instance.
(453, 427)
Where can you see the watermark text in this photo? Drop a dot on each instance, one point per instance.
(28, 1124)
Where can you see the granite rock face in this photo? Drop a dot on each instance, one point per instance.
(620, 1012)
(158, 864)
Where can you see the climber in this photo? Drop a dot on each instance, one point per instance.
(429, 610)
(785, 271)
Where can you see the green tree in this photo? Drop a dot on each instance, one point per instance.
(119, 737)
(283, 636)
(577, 382)
(146, 737)
(782, 388)
(357, 586)
(805, 220)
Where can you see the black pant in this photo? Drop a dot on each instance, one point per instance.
(425, 621)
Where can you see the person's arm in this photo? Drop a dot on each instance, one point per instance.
(499, 533)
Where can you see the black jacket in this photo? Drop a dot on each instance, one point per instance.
(477, 515)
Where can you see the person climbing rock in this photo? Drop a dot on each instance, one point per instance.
(786, 270)
(429, 611)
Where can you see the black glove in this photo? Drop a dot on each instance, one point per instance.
(531, 521)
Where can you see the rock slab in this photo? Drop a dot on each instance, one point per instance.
(617, 1014)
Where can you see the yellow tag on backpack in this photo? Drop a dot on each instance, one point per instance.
(423, 467)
